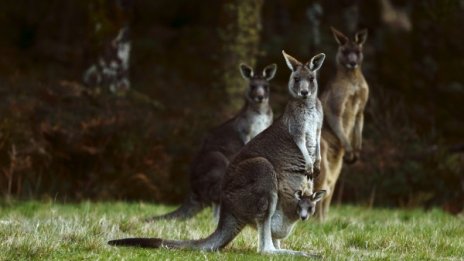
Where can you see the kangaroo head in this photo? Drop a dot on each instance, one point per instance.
(258, 84)
(303, 83)
(350, 53)
(307, 202)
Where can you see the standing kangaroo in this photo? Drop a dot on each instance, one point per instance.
(343, 101)
(223, 142)
(269, 166)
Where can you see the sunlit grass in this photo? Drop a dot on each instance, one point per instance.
(52, 231)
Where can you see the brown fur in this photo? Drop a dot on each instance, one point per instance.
(343, 102)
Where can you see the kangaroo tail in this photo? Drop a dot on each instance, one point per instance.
(138, 242)
(189, 208)
(228, 228)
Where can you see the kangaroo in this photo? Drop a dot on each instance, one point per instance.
(265, 167)
(343, 101)
(288, 212)
(223, 142)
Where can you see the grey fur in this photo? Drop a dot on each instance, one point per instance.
(258, 182)
(305, 115)
(302, 206)
(223, 142)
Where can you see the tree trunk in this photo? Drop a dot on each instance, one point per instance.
(240, 34)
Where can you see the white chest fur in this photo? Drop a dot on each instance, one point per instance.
(303, 126)
(259, 122)
(312, 123)
(251, 123)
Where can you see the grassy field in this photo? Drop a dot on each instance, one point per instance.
(53, 231)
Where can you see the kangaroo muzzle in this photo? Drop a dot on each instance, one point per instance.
(304, 214)
(304, 89)
(352, 61)
(259, 95)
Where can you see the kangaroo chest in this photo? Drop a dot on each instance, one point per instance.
(259, 122)
(304, 129)
(353, 105)
(311, 125)
(251, 124)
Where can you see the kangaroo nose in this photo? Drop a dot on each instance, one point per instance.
(259, 98)
(304, 93)
(353, 64)
(304, 217)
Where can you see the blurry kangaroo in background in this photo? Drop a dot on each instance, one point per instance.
(270, 167)
(223, 142)
(343, 101)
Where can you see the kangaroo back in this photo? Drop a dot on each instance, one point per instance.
(277, 146)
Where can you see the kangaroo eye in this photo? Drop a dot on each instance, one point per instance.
(296, 79)
(311, 79)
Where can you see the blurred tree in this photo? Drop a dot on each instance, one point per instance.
(106, 18)
(240, 27)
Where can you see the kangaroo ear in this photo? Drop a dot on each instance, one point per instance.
(298, 194)
(269, 71)
(292, 63)
(316, 62)
(339, 37)
(361, 37)
(317, 196)
(246, 71)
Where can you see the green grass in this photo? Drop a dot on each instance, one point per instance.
(52, 231)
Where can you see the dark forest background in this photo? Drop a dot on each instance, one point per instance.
(61, 139)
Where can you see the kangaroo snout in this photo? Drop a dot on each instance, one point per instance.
(352, 65)
(259, 98)
(305, 213)
(304, 93)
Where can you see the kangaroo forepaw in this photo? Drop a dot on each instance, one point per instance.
(309, 174)
(309, 168)
(350, 157)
